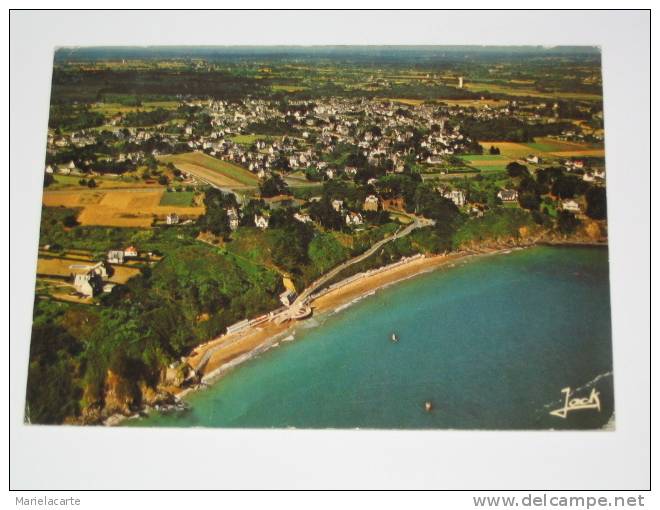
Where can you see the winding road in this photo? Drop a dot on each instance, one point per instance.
(301, 300)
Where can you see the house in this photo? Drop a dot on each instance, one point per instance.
(533, 159)
(371, 203)
(570, 205)
(49, 169)
(116, 256)
(88, 284)
(172, 219)
(353, 218)
(233, 218)
(338, 205)
(456, 196)
(131, 251)
(302, 217)
(507, 195)
(350, 170)
(288, 297)
(260, 221)
(397, 203)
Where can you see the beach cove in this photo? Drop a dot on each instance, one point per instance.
(490, 341)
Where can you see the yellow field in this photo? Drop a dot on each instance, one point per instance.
(70, 181)
(475, 102)
(210, 175)
(62, 267)
(118, 208)
(409, 102)
(509, 149)
(496, 88)
(287, 88)
(597, 153)
(542, 146)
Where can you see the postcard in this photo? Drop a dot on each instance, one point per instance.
(399, 237)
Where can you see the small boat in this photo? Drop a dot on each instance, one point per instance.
(428, 406)
(394, 338)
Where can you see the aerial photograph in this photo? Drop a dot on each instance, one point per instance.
(324, 237)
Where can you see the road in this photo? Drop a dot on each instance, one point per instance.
(301, 302)
(304, 296)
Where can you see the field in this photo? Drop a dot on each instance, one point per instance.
(250, 139)
(216, 171)
(118, 208)
(287, 88)
(496, 88)
(73, 181)
(65, 267)
(509, 150)
(112, 109)
(409, 102)
(486, 163)
(181, 198)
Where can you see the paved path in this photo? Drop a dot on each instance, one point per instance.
(304, 296)
(301, 302)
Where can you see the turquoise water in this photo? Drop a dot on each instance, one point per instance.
(490, 342)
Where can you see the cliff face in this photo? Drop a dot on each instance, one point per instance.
(121, 397)
(590, 232)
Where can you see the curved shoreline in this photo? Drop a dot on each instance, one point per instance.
(232, 350)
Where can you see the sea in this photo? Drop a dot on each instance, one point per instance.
(493, 342)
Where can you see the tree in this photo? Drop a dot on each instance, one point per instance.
(515, 169)
(91, 183)
(48, 180)
(567, 223)
(216, 219)
(290, 247)
(529, 200)
(273, 186)
(494, 150)
(70, 220)
(323, 212)
(566, 186)
(596, 203)
(163, 180)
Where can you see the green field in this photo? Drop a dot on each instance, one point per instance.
(225, 169)
(111, 109)
(250, 139)
(180, 198)
(483, 157)
(489, 168)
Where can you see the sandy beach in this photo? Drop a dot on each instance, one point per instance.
(229, 350)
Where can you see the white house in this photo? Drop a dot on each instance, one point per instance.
(172, 219)
(570, 205)
(353, 218)
(371, 203)
(233, 218)
(260, 221)
(116, 256)
(302, 217)
(508, 195)
(338, 205)
(456, 196)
